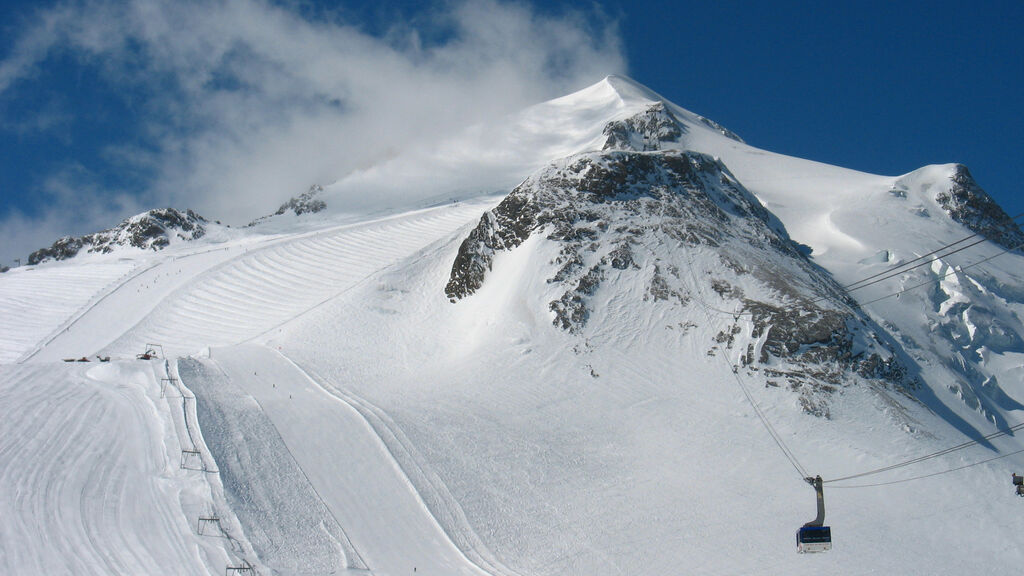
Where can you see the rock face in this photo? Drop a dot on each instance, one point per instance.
(679, 224)
(150, 230)
(968, 204)
(305, 203)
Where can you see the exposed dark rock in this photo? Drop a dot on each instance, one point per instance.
(149, 230)
(643, 132)
(305, 203)
(971, 206)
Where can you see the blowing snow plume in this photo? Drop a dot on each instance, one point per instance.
(230, 108)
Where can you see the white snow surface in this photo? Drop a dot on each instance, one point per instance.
(353, 420)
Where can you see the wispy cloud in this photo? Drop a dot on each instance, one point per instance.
(243, 103)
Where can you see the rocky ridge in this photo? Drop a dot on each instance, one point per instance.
(305, 203)
(152, 230)
(679, 222)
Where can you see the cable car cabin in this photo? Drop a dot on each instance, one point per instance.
(813, 539)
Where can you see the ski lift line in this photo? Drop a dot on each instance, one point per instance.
(944, 276)
(892, 294)
(771, 430)
(776, 437)
(923, 256)
(996, 434)
(1000, 457)
(800, 470)
(903, 269)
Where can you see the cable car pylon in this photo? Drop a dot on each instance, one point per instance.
(814, 536)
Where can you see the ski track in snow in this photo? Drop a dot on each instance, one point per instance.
(349, 467)
(263, 289)
(34, 301)
(88, 484)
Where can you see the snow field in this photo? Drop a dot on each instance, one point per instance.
(92, 484)
(258, 291)
(340, 463)
(630, 449)
(404, 431)
(34, 301)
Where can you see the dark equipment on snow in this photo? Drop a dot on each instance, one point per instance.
(151, 352)
(815, 536)
(1018, 481)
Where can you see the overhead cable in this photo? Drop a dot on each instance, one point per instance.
(996, 434)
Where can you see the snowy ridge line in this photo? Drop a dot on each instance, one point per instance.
(429, 488)
(106, 291)
(109, 290)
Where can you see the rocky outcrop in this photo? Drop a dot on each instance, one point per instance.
(968, 204)
(153, 230)
(305, 203)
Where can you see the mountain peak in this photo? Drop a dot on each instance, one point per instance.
(151, 230)
(630, 90)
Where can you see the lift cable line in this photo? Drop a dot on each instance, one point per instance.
(996, 434)
(771, 429)
(1000, 457)
(903, 268)
(776, 437)
(899, 269)
(893, 273)
(952, 271)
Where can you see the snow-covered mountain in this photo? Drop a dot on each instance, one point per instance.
(601, 336)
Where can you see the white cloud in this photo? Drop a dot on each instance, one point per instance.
(246, 103)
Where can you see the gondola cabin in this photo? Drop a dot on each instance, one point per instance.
(813, 539)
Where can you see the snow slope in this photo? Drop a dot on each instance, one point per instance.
(359, 421)
(89, 464)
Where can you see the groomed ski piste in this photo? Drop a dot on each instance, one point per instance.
(322, 408)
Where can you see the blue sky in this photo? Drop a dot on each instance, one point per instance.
(108, 108)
